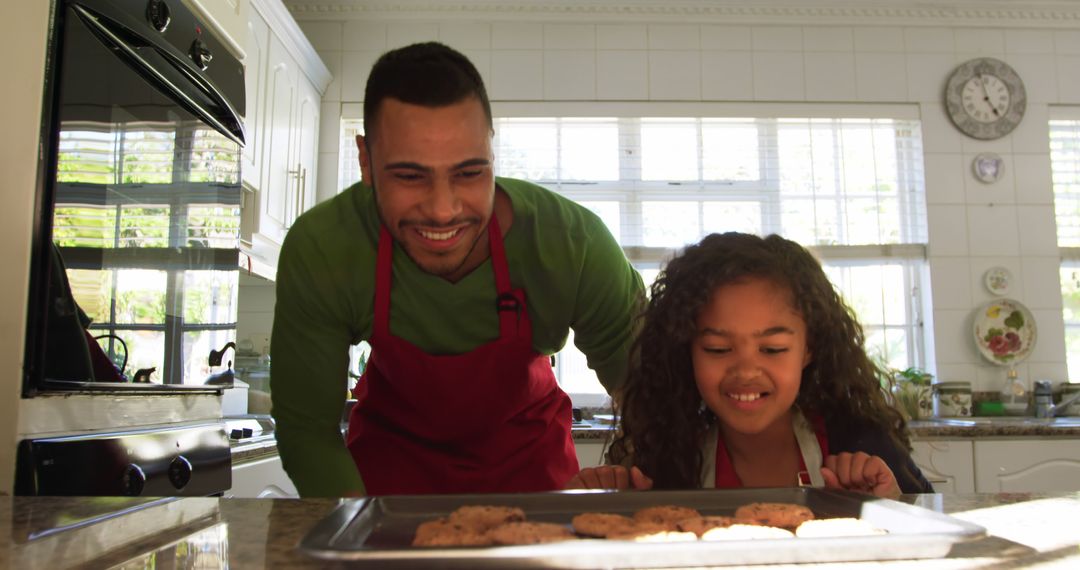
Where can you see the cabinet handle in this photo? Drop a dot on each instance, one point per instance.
(298, 199)
(291, 215)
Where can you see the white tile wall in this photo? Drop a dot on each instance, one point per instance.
(828, 38)
(972, 226)
(1033, 180)
(778, 76)
(622, 75)
(945, 174)
(569, 37)
(623, 36)
(992, 230)
(880, 77)
(951, 282)
(675, 75)
(874, 39)
(829, 76)
(517, 35)
(516, 74)
(570, 74)
(727, 76)
(676, 37)
(729, 38)
(402, 34)
(466, 35)
(364, 36)
(777, 38)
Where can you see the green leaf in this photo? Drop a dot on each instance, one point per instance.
(1015, 320)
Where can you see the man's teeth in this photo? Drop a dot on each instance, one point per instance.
(438, 235)
(746, 397)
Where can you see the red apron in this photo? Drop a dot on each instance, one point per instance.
(490, 420)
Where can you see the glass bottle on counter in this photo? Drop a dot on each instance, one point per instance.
(1014, 394)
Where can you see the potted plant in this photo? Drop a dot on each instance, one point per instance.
(912, 392)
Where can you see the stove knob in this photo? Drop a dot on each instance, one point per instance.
(200, 54)
(158, 14)
(134, 480)
(180, 472)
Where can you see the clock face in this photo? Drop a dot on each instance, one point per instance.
(985, 98)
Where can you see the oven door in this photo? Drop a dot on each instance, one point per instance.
(136, 251)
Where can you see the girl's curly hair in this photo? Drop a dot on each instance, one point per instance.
(663, 421)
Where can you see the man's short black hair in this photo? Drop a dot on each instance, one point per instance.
(429, 74)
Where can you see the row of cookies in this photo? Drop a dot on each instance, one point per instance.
(496, 525)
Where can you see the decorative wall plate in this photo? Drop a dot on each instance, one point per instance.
(988, 167)
(1004, 331)
(998, 280)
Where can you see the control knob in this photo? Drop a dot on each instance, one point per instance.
(158, 14)
(180, 472)
(200, 54)
(133, 481)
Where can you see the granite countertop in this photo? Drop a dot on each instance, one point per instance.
(1025, 530)
(981, 427)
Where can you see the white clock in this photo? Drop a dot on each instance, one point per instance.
(985, 98)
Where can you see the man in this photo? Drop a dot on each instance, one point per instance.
(463, 284)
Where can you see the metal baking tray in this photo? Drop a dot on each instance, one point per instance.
(377, 532)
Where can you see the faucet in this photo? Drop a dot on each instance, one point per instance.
(1044, 400)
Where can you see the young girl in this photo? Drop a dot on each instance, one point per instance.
(749, 371)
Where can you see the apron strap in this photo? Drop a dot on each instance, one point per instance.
(708, 466)
(384, 270)
(809, 448)
(510, 303)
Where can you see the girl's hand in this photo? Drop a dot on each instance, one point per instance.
(860, 472)
(610, 477)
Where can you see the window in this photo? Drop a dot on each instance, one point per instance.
(1065, 171)
(851, 189)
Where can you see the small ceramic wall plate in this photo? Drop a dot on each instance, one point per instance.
(988, 167)
(998, 280)
(1004, 331)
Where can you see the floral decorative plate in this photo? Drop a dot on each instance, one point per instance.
(998, 280)
(1004, 331)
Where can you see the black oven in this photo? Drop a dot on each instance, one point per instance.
(135, 258)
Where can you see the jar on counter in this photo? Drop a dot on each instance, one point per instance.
(952, 399)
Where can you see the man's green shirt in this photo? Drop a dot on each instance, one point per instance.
(574, 274)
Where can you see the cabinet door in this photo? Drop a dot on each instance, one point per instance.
(1027, 465)
(306, 135)
(255, 63)
(947, 464)
(589, 454)
(261, 478)
(279, 121)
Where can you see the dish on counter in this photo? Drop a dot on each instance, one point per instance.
(1004, 331)
(377, 532)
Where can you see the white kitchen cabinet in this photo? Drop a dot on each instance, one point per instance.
(1027, 465)
(949, 465)
(589, 453)
(285, 80)
(260, 479)
(227, 20)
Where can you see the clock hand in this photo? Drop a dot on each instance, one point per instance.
(986, 96)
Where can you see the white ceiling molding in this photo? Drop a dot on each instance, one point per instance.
(983, 13)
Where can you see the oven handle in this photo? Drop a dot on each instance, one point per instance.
(100, 26)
